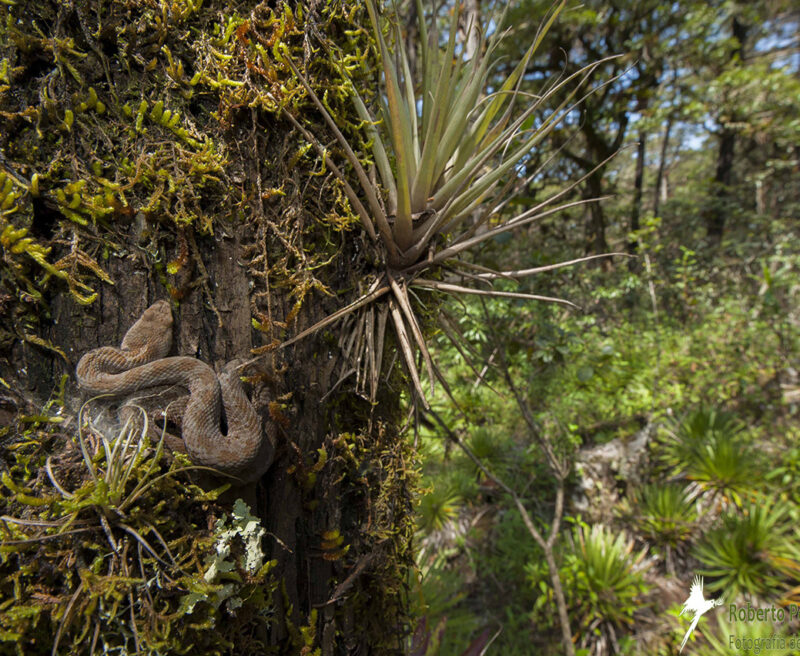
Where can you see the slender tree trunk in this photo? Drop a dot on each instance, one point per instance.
(662, 164)
(596, 228)
(548, 544)
(717, 213)
(470, 26)
(638, 183)
(552, 567)
(561, 603)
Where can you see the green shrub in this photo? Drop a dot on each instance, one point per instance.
(709, 447)
(438, 600)
(437, 507)
(685, 439)
(751, 552)
(727, 470)
(664, 513)
(786, 474)
(749, 638)
(604, 585)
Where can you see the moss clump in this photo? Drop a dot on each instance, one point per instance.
(108, 547)
(132, 127)
(374, 549)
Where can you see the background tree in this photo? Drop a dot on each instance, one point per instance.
(643, 35)
(671, 368)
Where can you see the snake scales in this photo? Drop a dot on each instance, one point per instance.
(141, 363)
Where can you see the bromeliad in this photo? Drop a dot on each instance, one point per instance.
(448, 153)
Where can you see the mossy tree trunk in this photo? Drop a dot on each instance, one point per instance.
(144, 145)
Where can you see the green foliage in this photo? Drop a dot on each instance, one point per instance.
(437, 507)
(686, 438)
(785, 475)
(722, 356)
(711, 449)
(429, 643)
(664, 513)
(604, 576)
(726, 469)
(704, 333)
(305, 637)
(603, 580)
(752, 551)
(750, 638)
(439, 593)
(124, 550)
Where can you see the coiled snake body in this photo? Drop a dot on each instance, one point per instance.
(140, 363)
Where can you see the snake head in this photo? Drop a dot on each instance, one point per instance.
(152, 332)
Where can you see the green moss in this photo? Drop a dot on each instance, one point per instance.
(123, 562)
(149, 131)
(380, 472)
(147, 128)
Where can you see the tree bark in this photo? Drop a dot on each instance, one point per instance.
(662, 165)
(717, 212)
(561, 603)
(469, 27)
(224, 215)
(596, 228)
(638, 183)
(719, 209)
(598, 150)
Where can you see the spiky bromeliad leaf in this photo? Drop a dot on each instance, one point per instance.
(446, 151)
(753, 551)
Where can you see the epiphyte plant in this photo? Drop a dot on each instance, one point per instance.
(448, 149)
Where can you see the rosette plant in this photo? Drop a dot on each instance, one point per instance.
(448, 149)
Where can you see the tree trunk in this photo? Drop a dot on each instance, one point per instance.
(596, 228)
(599, 148)
(214, 207)
(638, 182)
(720, 207)
(469, 27)
(561, 603)
(662, 164)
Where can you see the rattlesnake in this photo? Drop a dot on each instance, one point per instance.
(141, 363)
